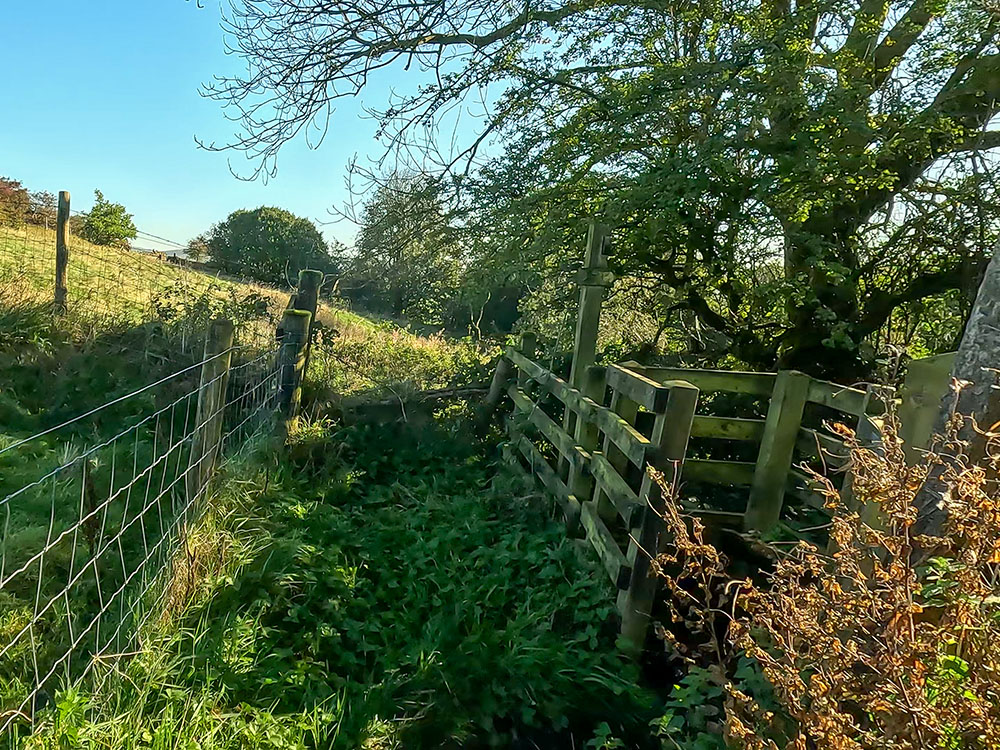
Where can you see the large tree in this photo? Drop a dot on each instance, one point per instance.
(406, 257)
(824, 154)
(268, 244)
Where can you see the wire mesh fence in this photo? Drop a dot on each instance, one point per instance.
(90, 534)
(118, 403)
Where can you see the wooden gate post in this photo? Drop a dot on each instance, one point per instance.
(594, 279)
(62, 252)
(292, 361)
(587, 434)
(206, 441)
(781, 431)
(671, 432)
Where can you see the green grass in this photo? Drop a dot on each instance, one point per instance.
(378, 592)
(353, 354)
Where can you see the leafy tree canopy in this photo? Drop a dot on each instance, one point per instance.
(107, 223)
(798, 175)
(406, 255)
(268, 244)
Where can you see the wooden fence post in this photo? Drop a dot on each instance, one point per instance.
(527, 347)
(62, 252)
(594, 278)
(307, 298)
(207, 437)
(587, 434)
(781, 431)
(671, 432)
(292, 361)
(502, 376)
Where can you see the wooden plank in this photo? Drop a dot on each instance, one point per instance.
(801, 487)
(818, 445)
(636, 386)
(541, 469)
(624, 499)
(552, 432)
(723, 519)
(603, 542)
(728, 428)
(712, 381)
(840, 397)
(626, 438)
(784, 417)
(738, 473)
(926, 383)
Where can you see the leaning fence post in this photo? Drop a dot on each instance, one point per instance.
(62, 251)
(292, 361)
(671, 433)
(207, 436)
(777, 446)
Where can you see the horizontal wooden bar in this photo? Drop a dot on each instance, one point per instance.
(818, 445)
(739, 473)
(800, 486)
(724, 519)
(636, 386)
(632, 443)
(541, 469)
(728, 428)
(610, 481)
(565, 444)
(710, 381)
(603, 542)
(840, 397)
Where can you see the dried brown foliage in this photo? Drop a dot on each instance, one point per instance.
(872, 643)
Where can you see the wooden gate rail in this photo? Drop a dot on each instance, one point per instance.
(783, 443)
(618, 509)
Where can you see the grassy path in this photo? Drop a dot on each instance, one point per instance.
(375, 589)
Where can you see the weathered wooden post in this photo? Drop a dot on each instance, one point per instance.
(587, 434)
(62, 252)
(292, 361)
(628, 410)
(206, 440)
(777, 446)
(527, 347)
(671, 432)
(307, 298)
(502, 376)
(593, 279)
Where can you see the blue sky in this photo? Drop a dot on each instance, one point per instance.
(104, 94)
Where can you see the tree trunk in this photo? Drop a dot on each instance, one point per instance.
(975, 364)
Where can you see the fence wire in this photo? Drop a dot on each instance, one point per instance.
(95, 508)
(89, 545)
